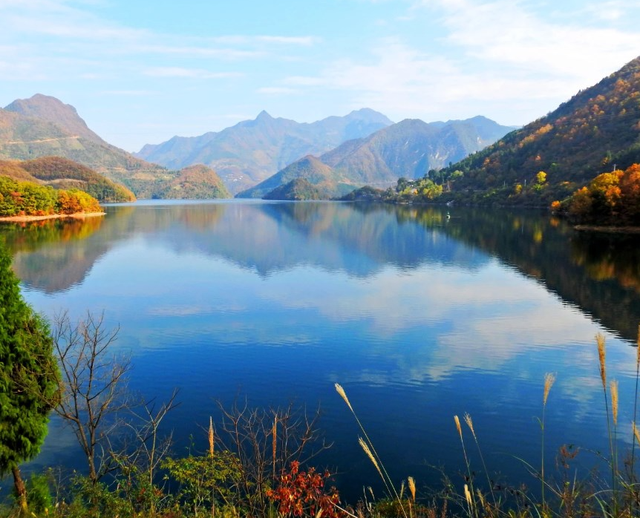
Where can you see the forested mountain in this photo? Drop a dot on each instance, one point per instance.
(595, 131)
(251, 151)
(44, 126)
(407, 149)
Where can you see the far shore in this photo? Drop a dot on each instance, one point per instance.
(610, 230)
(77, 215)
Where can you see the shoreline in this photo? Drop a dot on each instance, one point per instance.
(76, 215)
(608, 230)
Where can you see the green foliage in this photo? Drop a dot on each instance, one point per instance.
(205, 479)
(29, 379)
(39, 491)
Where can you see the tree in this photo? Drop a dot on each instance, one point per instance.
(29, 378)
(94, 387)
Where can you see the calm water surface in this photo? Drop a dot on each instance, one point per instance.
(420, 314)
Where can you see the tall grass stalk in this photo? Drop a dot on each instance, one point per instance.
(469, 421)
(602, 358)
(549, 380)
(367, 445)
(468, 492)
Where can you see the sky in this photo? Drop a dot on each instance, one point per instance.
(141, 72)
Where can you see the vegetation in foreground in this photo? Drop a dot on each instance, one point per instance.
(254, 463)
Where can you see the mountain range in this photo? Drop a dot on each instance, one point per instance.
(407, 149)
(253, 150)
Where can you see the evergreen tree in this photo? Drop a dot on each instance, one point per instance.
(29, 378)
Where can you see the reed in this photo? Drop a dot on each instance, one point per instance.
(464, 453)
(367, 445)
(602, 359)
(469, 422)
(549, 380)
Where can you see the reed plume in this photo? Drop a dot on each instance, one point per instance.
(343, 394)
(367, 450)
(455, 418)
(636, 433)
(602, 357)
(412, 487)
(613, 386)
(211, 437)
(549, 380)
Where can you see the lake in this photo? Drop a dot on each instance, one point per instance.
(419, 313)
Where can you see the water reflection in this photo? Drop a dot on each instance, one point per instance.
(597, 272)
(421, 313)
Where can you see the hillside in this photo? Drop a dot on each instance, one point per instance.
(44, 126)
(251, 151)
(297, 189)
(595, 130)
(309, 168)
(407, 149)
(197, 182)
(62, 173)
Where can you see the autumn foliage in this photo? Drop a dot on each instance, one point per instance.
(303, 493)
(30, 199)
(610, 199)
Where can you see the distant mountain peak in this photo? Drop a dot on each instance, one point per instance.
(264, 115)
(51, 109)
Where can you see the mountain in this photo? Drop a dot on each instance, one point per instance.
(408, 149)
(44, 126)
(595, 131)
(50, 109)
(251, 151)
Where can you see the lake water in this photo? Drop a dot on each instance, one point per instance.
(420, 314)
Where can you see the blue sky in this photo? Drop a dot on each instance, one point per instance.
(140, 72)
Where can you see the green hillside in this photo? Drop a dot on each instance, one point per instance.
(197, 182)
(327, 182)
(297, 189)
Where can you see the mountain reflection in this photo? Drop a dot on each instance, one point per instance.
(598, 273)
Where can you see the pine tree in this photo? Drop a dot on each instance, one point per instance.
(29, 378)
